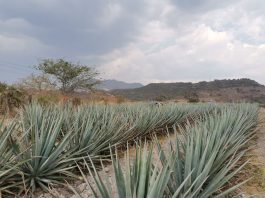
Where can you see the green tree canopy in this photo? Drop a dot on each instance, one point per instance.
(69, 76)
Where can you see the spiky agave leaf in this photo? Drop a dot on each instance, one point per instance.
(53, 137)
(141, 177)
(5, 153)
(98, 126)
(8, 165)
(210, 152)
(94, 130)
(50, 159)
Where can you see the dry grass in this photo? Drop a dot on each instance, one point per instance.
(256, 168)
(256, 185)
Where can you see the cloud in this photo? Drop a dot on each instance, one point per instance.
(78, 26)
(146, 41)
(198, 6)
(201, 54)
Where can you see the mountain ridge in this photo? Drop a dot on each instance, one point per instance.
(113, 84)
(240, 89)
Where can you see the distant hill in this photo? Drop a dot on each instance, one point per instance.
(115, 84)
(217, 90)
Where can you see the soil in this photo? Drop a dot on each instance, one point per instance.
(84, 190)
(255, 169)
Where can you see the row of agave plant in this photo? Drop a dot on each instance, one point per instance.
(44, 146)
(199, 164)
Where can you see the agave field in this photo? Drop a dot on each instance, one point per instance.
(45, 147)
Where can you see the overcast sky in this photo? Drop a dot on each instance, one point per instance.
(136, 40)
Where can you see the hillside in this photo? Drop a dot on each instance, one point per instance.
(217, 90)
(115, 84)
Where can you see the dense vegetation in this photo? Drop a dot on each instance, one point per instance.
(69, 76)
(10, 98)
(202, 160)
(45, 146)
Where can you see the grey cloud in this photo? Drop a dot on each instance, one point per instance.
(74, 26)
(201, 5)
(89, 31)
(194, 71)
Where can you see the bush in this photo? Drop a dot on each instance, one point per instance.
(76, 101)
(11, 98)
(120, 99)
(161, 98)
(47, 99)
(192, 97)
(3, 87)
(193, 100)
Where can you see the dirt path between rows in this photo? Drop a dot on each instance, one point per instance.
(256, 168)
(84, 190)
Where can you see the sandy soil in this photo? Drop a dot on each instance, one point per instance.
(255, 187)
(256, 168)
(84, 190)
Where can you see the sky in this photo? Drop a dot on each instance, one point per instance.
(136, 40)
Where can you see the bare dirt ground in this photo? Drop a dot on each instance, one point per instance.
(84, 190)
(256, 169)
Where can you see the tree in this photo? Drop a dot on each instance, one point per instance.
(37, 82)
(69, 76)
